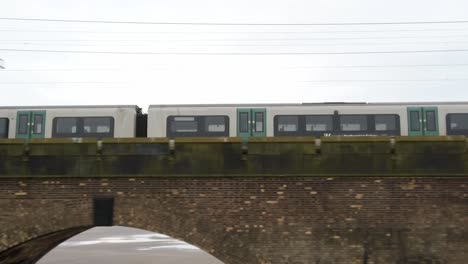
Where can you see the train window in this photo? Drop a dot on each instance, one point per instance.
(458, 121)
(259, 122)
(385, 122)
(197, 126)
(288, 123)
(83, 127)
(415, 121)
(65, 125)
(303, 125)
(215, 124)
(457, 124)
(244, 122)
(431, 121)
(23, 124)
(184, 124)
(353, 122)
(3, 127)
(319, 123)
(97, 125)
(38, 120)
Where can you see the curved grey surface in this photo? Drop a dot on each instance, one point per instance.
(119, 245)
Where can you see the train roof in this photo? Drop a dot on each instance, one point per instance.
(71, 107)
(311, 104)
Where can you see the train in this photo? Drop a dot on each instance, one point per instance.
(236, 120)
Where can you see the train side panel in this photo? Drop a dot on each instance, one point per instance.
(158, 116)
(340, 110)
(8, 117)
(124, 118)
(445, 110)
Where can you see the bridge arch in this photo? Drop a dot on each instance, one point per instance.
(49, 222)
(126, 245)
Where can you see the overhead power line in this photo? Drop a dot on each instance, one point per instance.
(298, 67)
(236, 53)
(58, 82)
(35, 43)
(91, 70)
(232, 32)
(232, 24)
(26, 70)
(380, 66)
(416, 80)
(307, 81)
(232, 39)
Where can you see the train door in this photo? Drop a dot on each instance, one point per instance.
(30, 124)
(251, 122)
(423, 121)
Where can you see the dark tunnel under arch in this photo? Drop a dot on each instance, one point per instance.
(31, 251)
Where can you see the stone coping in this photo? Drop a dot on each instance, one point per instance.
(349, 139)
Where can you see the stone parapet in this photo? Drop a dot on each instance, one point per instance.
(299, 156)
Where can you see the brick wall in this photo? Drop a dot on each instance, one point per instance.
(275, 219)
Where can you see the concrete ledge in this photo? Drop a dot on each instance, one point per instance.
(237, 139)
(356, 139)
(372, 156)
(431, 139)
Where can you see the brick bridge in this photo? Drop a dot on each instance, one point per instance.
(287, 200)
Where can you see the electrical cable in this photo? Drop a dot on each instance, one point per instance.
(236, 53)
(231, 32)
(233, 24)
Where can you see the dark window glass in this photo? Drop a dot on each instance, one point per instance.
(385, 122)
(288, 123)
(184, 124)
(458, 121)
(430, 121)
(93, 125)
(353, 123)
(259, 122)
(215, 124)
(414, 121)
(244, 122)
(318, 123)
(23, 124)
(66, 125)
(38, 120)
(3, 127)
(197, 126)
(83, 127)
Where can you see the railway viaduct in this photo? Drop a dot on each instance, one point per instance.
(270, 200)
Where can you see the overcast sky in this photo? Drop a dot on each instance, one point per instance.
(49, 78)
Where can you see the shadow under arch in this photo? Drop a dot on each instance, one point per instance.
(31, 251)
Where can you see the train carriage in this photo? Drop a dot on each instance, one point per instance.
(236, 120)
(308, 119)
(68, 121)
(203, 120)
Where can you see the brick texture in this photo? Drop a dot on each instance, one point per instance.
(275, 219)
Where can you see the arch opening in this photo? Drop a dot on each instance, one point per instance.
(118, 244)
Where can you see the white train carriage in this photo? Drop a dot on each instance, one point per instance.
(192, 120)
(68, 121)
(321, 119)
